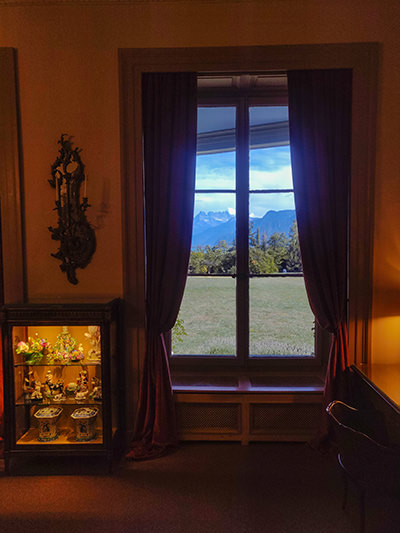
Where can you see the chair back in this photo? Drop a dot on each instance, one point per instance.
(363, 453)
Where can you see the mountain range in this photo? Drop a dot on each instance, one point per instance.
(214, 226)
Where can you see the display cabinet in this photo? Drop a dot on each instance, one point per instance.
(62, 366)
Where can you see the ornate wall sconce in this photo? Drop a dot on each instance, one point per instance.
(76, 235)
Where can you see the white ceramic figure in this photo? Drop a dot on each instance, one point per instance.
(83, 388)
(37, 393)
(48, 384)
(93, 336)
(59, 392)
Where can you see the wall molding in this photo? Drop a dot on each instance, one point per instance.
(10, 3)
(10, 182)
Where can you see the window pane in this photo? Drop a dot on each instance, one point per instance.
(214, 226)
(270, 166)
(216, 138)
(207, 315)
(281, 322)
(273, 236)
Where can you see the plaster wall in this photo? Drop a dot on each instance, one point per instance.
(68, 81)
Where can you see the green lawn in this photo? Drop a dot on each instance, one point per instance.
(281, 322)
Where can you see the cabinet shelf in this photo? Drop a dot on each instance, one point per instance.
(65, 436)
(72, 365)
(68, 401)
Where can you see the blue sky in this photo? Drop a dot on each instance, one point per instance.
(269, 168)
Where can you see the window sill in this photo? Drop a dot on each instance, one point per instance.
(247, 384)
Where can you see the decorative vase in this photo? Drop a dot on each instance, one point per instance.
(48, 417)
(85, 418)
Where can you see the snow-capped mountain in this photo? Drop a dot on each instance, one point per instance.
(212, 227)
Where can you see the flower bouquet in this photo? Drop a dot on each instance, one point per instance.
(33, 350)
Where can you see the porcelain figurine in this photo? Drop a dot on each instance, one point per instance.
(64, 347)
(96, 393)
(77, 354)
(93, 336)
(37, 395)
(48, 385)
(71, 388)
(83, 388)
(58, 391)
(29, 386)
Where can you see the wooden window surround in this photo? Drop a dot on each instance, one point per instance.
(361, 58)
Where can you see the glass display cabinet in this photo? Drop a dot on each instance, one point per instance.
(62, 367)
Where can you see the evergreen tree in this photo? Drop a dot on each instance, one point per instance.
(293, 263)
(278, 247)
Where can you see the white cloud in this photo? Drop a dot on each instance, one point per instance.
(276, 179)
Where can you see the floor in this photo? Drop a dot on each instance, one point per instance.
(199, 488)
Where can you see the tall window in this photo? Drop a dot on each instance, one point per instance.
(245, 298)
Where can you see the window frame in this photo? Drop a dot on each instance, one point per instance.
(243, 100)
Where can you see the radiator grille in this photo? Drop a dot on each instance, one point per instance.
(283, 417)
(208, 416)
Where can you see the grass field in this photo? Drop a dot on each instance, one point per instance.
(281, 322)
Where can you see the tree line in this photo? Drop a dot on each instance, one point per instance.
(267, 255)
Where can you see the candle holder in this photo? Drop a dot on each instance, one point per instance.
(76, 235)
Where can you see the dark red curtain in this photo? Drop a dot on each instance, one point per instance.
(1, 401)
(1, 348)
(320, 141)
(169, 134)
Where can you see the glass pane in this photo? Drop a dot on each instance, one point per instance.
(213, 238)
(270, 166)
(215, 163)
(207, 319)
(56, 370)
(281, 322)
(273, 236)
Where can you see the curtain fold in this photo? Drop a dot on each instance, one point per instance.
(169, 103)
(320, 141)
(1, 398)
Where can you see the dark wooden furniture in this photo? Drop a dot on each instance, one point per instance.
(364, 454)
(376, 386)
(55, 378)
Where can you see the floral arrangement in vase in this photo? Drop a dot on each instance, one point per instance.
(33, 350)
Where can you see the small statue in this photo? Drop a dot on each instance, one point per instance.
(96, 393)
(93, 336)
(64, 346)
(71, 388)
(77, 354)
(29, 386)
(37, 395)
(83, 388)
(48, 385)
(58, 391)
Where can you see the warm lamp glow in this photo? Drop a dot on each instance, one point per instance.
(386, 340)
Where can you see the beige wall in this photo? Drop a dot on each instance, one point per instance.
(68, 74)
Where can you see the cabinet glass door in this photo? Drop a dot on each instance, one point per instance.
(57, 384)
